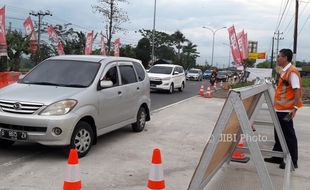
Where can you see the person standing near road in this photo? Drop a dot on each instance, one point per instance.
(213, 77)
(286, 103)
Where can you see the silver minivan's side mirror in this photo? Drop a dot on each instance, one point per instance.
(21, 77)
(106, 84)
(176, 73)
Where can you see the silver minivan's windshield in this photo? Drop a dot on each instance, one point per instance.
(161, 70)
(66, 73)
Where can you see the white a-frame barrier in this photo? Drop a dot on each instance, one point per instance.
(236, 117)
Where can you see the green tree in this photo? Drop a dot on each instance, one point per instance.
(263, 65)
(113, 15)
(166, 52)
(179, 38)
(190, 55)
(143, 51)
(127, 51)
(3, 63)
(74, 43)
(17, 45)
(46, 51)
(249, 62)
(161, 39)
(301, 63)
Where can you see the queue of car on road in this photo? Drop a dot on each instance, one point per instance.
(57, 104)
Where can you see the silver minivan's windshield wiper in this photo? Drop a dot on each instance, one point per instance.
(42, 83)
(73, 85)
(55, 84)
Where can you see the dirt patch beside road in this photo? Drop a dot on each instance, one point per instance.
(220, 93)
(306, 95)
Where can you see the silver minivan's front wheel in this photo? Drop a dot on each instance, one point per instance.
(82, 138)
(139, 125)
(171, 89)
(182, 87)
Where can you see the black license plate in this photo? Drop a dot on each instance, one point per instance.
(13, 135)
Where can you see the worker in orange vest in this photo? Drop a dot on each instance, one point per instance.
(286, 103)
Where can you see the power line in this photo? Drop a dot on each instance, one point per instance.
(301, 13)
(304, 24)
(277, 28)
(14, 18)
(280, 12)
(287, 27)
(286, 13)
(307, 3)
(55, 18)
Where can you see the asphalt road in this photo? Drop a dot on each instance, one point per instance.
(24, 151)
(161, 99)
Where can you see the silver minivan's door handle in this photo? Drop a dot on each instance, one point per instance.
(138, 88)
(119, 92)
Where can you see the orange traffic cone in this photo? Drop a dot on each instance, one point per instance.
(208, 93)
(239, 156)
(73, 179)
(201, 90)
(156, 176)
(214, 86)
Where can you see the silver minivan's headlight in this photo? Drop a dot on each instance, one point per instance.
(59, 108)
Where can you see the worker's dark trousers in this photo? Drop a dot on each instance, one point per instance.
(290, 137)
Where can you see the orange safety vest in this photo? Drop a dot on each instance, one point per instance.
(285, 94)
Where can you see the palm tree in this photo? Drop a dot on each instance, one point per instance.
(178, 37)
(190, 53)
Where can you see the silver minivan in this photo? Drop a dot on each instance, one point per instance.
(70, 100)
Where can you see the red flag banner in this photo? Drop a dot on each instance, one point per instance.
(234, 46)
(60, 49)
(241, 47)
(102, 44)
(242, 40)
(246, 47)
(117, 44)
(89, 43)
(3, 44)
(52, 34)
(29, 29)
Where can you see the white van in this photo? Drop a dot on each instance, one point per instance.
(167, 77)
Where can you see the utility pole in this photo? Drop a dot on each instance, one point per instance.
(40, 16)
(278, 38)
(10, 27)
(272, 51)
(153, 34)
(295, 33)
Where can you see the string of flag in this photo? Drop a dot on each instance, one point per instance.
(53, 37)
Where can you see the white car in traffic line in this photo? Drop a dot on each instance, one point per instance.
(194, 74)
(167, 77)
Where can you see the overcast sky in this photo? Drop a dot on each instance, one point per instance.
(259, 18)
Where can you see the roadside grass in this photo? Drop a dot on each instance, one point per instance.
(305, 82)
(241, 84)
